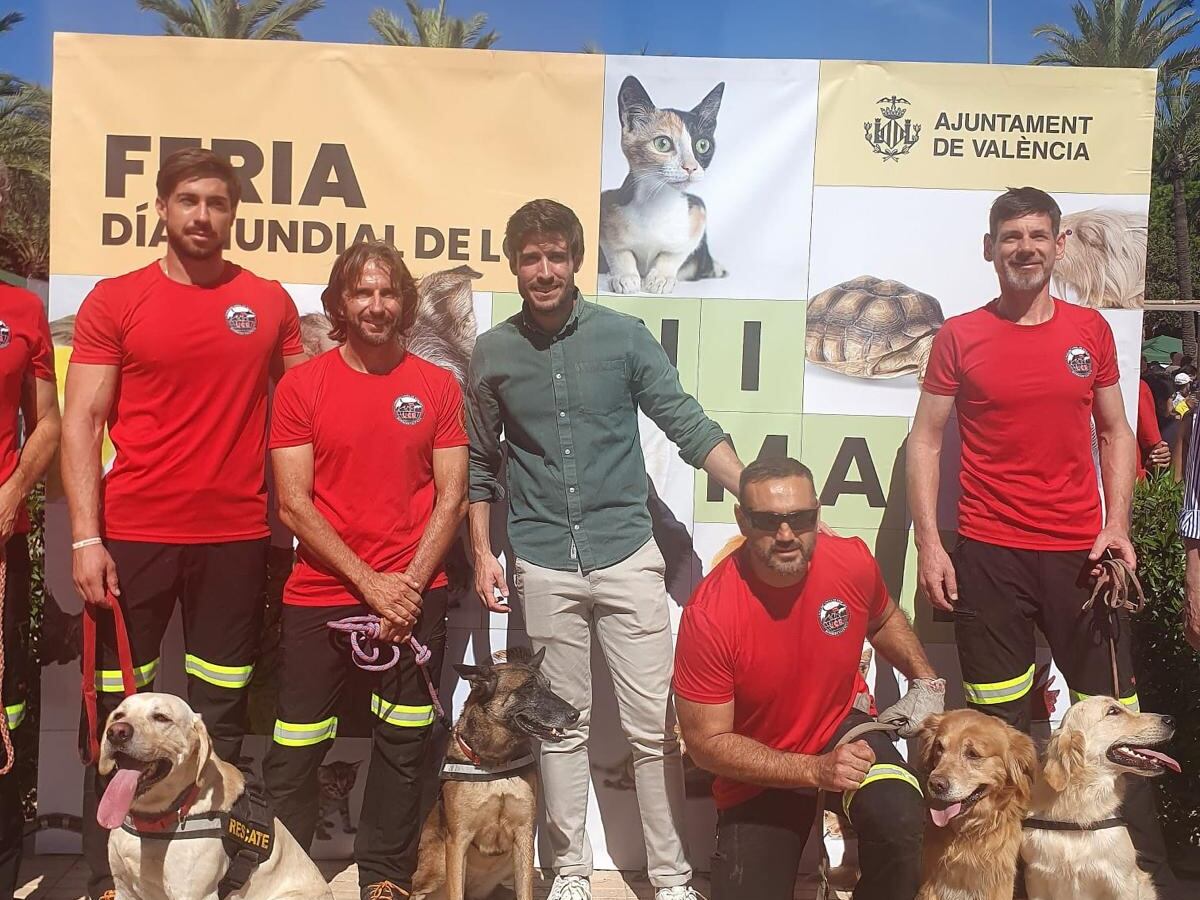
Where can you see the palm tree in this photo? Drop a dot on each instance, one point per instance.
(432, 28)
(8, 20)
(259, 20)
(1139, 34)
(24, 118)
(1176, 155)
(1123, 33)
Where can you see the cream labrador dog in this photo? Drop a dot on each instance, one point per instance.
(163, 769)
(1099, 745)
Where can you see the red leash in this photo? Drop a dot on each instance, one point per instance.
(90, 658)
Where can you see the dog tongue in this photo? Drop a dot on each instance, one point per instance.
(1162, 758)
(118, 797)
(942, 816)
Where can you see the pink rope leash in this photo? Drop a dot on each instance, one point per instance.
(364, 632)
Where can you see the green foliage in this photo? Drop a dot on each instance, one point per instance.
(1168, 669)
(262, 20)
(1124, 33)
(1161, 284)
(432, 28)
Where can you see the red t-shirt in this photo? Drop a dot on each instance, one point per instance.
(1024, 395)
(25, 351)
(189, 420)
(787, 657)
(373, 438)
(1148, 434)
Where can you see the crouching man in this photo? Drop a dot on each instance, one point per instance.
(767, 681)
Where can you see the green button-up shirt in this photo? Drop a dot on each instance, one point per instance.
(567, 404)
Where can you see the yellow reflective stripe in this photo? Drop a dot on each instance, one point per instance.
(881, 772)
(401, 716)
(109, 681)
(221, 676)
(15, 714)
(1131, 701)
(1000, 691)
(305, 734)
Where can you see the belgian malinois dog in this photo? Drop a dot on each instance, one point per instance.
(479, 835)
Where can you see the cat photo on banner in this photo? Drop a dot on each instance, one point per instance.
(706, 175)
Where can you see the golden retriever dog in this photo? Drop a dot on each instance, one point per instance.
(159, 755)
(980, 774)
(1087, 761)
(1104, 261)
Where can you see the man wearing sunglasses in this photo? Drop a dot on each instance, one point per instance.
(767, 681)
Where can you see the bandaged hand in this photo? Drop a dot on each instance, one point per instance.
(925, 697)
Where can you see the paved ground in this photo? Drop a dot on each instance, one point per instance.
(64, 878)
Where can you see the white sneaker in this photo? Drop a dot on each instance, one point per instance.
(571, 887)
(682, 892)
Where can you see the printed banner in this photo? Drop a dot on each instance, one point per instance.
(753, 213)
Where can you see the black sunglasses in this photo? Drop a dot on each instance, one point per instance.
(798, 520)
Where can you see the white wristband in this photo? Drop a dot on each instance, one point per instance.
(87, 542)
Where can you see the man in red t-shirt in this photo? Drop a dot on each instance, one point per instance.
(1153, 451)
(767, 681)
(176, 358)
(369, 451)
(1027, 374)
(28, 396)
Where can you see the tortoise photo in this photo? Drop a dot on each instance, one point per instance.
(871, 328)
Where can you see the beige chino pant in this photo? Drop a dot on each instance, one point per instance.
(626, 607)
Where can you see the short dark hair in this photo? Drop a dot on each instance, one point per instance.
(1024, 201)
(543, 217)
(770, 469)
(348, 269)
(196, 162)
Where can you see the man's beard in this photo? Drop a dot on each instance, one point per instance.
(376, 338)
(788, 568)
(183, 248)
(1020, 281)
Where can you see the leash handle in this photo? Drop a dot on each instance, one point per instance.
(367, 629)
(91, 751)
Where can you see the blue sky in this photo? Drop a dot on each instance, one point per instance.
(935, 30)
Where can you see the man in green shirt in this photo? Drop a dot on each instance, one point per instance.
(564, 379)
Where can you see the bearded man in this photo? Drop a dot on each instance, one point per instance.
(176, 359)
(369, 453)
(767, 682)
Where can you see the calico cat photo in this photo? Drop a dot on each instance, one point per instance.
(653, 233)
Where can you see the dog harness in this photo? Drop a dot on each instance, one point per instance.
(1052, 825)
(247, 831)
(475, 770)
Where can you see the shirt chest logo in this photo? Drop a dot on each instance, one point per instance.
(834, 616)
(241, 319)
(1079, 361)
(5, 335)
(408, 409)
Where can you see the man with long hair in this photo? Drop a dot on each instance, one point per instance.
(369, 454)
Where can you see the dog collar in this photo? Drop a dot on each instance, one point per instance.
(173, 816)
(466, 749)
(476, 770)
(1052, 825)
